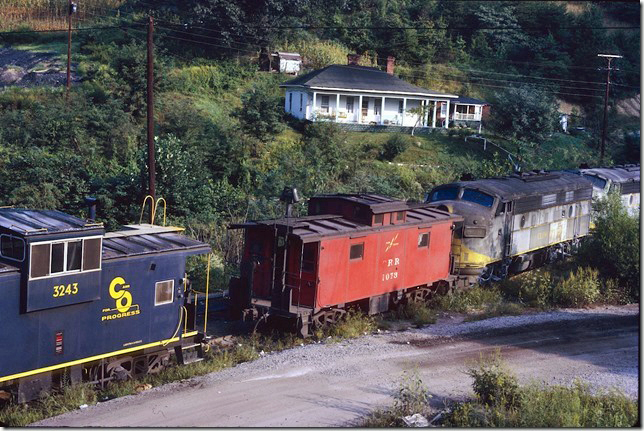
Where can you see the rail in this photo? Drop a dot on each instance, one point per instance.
(469, 117)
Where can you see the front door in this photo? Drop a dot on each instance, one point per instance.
(365, 109)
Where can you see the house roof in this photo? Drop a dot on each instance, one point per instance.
(360, 78)
(287, 55)
(469, 101)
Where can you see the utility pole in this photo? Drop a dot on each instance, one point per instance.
(71, 9)
(608, 57)
(151, 160)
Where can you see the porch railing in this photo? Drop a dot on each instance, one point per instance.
(471, 117)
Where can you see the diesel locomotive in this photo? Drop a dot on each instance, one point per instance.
(514, 223)
(80, 304)
(361, 250)
(623, 179)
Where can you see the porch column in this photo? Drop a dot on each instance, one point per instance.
(313, 107)
(447, 115)
(382, 110)
(434, 115)
(337, 106)
(424, 111)
(404, 112)
(360, 110)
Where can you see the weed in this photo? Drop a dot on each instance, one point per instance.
(533, 289)
(496, 310)
(475, 298)
(493, 383)
(420, 314)
(579, 289)
(352, 325)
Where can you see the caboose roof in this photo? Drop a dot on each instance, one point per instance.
(28, 222)
(6, 268)
(145, 239)
(314, 228)
(378, 204)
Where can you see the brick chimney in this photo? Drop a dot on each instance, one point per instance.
(353, 59)
(390, 64)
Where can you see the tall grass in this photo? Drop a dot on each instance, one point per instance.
(47, 14)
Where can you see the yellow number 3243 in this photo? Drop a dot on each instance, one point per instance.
(62, 290)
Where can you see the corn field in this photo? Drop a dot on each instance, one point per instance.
(51, 14)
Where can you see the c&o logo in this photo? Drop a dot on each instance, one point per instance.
(119, 291)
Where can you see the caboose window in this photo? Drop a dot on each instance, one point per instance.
(400, 215)
(12, 247)
(478, 197)
(40, 257)
(92, 253)
(309, 256)
(62, 257)
(378, 218)
(357, 251)
(163, 292)
(423, 240)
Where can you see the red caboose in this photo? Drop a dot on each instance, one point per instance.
(366, 250)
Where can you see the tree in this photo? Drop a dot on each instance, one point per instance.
(525, 113)
(261, 112)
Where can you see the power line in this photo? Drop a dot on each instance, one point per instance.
(63, 30)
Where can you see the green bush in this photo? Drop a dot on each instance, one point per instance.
(261, 112)
(420, 314)
(579, 289)
(394, 146)
(533, 288)
(614, 247)
(493, 384)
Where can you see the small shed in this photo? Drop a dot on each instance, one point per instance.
(286, 62)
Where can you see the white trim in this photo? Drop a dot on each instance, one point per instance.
(171, 291)
(24, 248)
(65, 241)
(444, 96)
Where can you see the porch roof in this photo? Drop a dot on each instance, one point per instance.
(360, 79)
(469, 101)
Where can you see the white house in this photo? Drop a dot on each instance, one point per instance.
(365, 95)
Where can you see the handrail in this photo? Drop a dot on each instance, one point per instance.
(152, 209)
(156, 206)
(205, 314)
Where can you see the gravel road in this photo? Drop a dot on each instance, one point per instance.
(334, 384)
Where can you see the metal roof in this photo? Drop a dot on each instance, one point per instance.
(526, 184)
(378, 204)
(469, 101)
(314, 228)
(617, 174)
(360, 78)
(288, 55)
(28, 222)
(115, 246)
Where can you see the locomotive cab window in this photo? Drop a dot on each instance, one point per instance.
(64, 257)
(446, 194)
(478, 197)
(12, 247)
(356, 252)
(163, 292)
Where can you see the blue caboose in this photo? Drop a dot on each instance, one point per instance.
(81, 304)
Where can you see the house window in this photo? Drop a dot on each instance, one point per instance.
(12, 247)
(62, 257)
(400, 106)
(350, 105)
(300, 102)
(423, 240)
(356, 252)
(365, 107)
(324, 104)
(290, 101)
(163, 292)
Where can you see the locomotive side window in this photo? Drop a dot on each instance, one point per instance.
(423, 240)
(163, 292)
(597, 182)
(40, 257)
(357, 251)
(12, 247)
